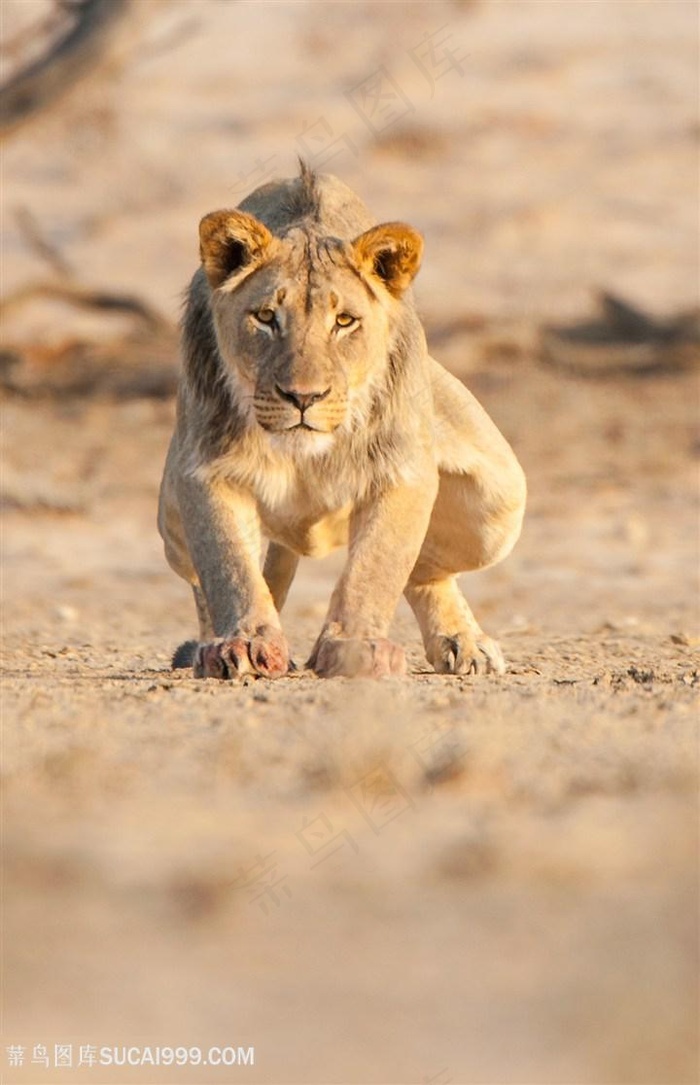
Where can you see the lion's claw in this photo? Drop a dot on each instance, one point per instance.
(265, 653)
(463, 653)
(355, 657)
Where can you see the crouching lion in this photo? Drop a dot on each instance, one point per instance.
(310, 415)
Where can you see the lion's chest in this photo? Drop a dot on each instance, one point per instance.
(306, 510)
(311, 538)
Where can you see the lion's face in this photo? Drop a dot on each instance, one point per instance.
(304, 321)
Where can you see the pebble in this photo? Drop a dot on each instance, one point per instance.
(66, 613)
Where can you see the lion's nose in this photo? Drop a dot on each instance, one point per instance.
(301, 400)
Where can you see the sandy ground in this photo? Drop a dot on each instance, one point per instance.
(490, 881)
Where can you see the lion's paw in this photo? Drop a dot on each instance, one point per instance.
(357, 658)
(265, 653)
(464, 653)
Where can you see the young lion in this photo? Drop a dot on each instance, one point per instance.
(311, 415)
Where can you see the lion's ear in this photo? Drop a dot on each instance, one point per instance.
(392, 253)
(228, 242)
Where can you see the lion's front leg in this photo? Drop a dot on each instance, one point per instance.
(223, 535)
(386, 535)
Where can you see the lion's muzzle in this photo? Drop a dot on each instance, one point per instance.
(299, 409)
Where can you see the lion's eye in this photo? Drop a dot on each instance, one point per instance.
(344, 320)
(265, 315)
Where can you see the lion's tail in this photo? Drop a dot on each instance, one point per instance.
(184, 655)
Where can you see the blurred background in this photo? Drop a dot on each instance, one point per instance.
(486, 881)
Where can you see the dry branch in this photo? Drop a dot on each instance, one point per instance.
(87, 298)
(68, 59)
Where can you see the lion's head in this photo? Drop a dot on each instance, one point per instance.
(304, 320)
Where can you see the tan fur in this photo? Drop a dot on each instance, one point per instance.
(301, 313)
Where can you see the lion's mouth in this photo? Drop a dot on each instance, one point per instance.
(303, 426)
(271, 428)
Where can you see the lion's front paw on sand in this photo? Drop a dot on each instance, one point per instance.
(265, 653)
(357, 658)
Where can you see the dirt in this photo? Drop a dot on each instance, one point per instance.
(471, 880)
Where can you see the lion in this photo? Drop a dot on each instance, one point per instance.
(311, 416)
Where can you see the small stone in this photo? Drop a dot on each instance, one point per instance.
(66, 613)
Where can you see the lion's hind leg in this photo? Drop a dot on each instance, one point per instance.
(475, 522)
(469, 529)
(453, 639)
(280, 567)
